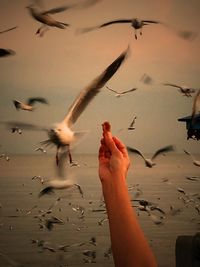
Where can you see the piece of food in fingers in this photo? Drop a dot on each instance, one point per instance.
(106, 126)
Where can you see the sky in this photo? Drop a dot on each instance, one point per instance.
(60, 64)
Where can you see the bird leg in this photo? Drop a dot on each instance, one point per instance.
(70, 157)
(40, 32)
(57, 157)
(136, 34)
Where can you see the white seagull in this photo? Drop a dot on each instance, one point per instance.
(136, 23)
(185, 90)
(194, 161)
(118, 94)
(62, 135)
(29, 105)
(149, 162)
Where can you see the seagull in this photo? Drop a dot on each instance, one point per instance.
(195, 162)
(132, 123)
(136, 23)
(149, 162)
(118, 94)
(62, 135)
(6, 52)
(29, 104)
(44, 17)
(185, 90)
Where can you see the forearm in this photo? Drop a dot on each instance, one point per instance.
(128, 243)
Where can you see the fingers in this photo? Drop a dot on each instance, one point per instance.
(108, 139)
(120, 146)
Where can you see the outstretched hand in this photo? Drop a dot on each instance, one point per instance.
(113, 156)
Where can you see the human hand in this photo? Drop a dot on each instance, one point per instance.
(113, 156)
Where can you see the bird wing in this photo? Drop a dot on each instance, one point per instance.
(189, 154)
(163, 150)
(32, 100)
(88, 93)
(112, 90)
(7, 30)
(17, 104)
(151, 21)
(128, 91)
(173, 85)
(196, 106)
(133, 121)
(57, 9)
(88, 29)
(80, 5)
(114, 22)
(133, 150)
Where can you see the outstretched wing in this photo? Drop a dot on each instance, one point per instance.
(32, 100)
(173, 85)
(128, 91)
(88, 93)
(114, 22)
(163, 150)
(151, 21)
(57, 9)
(88, 29)
(112, 90)
(6, 52)
(133, 150)
(80, 5)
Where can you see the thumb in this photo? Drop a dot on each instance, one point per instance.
(108, 138)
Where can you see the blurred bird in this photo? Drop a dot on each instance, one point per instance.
(9, 29)
(136, 23)
(44, 17)
(118, 94)
(194, 161)
(132, 124)
(185, 90)
(62, 135)
(16, 129)
(149, 162)
(30, 102)
(146, 79)
(41, 149)
(6, 52)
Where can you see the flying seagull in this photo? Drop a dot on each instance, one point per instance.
(136, 23)
(185, 90)
(62, 135)
(131, 126)
(29, 105)
(44, 17)
(118, 94)
(195, 162)
(149, 162)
